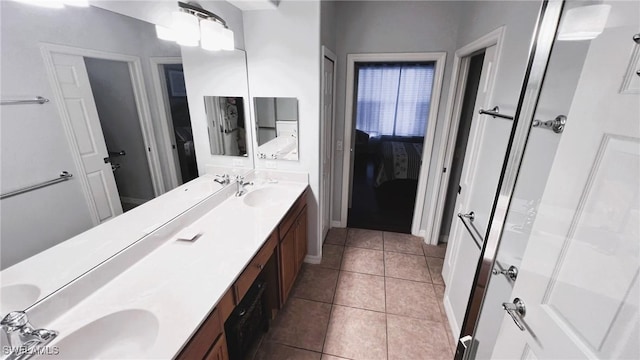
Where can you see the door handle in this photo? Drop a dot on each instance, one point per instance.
(517, 310)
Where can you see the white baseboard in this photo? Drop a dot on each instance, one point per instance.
(336, 224)
(313, 259)
(131, 200)
(453, 325)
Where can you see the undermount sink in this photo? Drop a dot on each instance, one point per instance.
(17, 297)
(265, 197)
(125, 334)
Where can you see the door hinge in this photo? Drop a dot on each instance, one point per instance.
(149, 148)
(173, 146)
(444, 170)
(459, 189)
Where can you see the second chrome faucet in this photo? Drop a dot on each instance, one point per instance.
(241, 185)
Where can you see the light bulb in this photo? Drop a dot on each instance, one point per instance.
(227, 39)
(186, 28)
(165, 33)
(211, 35)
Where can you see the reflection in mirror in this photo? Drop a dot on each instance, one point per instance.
(124, 141)
(277, 128)
(226, 125)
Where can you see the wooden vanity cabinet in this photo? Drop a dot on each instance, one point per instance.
(287, 265)
(293, 245)
(277, 263)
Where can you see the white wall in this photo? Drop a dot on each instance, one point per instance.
(115, 100)
(328, 36)
(382, 27)
(283, 56)
(34, 146)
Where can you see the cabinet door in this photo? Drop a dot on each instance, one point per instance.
(301, 238)
(287, 263)
(219, 350)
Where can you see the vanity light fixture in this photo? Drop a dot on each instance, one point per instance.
(186, 28)
(584, 23)
(192, 25)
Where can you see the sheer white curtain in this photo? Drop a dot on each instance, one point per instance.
(394, 99)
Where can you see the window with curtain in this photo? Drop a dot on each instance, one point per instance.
(394, 99)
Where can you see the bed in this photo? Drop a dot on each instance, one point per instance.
(398, 158)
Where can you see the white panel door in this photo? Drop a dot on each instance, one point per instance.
(102, 193)
(463, 252)
(326, 141)
(579, 275)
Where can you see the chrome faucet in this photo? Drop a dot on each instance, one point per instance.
(22, 337)
(241, 184)
(223, 179)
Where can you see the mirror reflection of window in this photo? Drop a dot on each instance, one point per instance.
(277, 128)
(226, 122)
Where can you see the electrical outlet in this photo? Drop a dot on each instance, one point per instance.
(339, 145)
(271, 164)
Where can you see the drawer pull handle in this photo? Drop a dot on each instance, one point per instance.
(260, 266)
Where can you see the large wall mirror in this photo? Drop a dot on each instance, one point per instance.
(144, 123)
(226, 125)
(277, 128)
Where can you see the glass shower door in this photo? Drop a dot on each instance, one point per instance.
(565, 278)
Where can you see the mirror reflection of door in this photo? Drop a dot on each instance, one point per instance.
(180, 121)
(115, 101)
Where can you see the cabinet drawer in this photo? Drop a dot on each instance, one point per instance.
(292, 215)
(219, 350)
(200, 343)
(254, 268)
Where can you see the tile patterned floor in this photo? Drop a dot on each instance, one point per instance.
(376, 295)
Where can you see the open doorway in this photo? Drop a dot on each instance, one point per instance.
(113, 94)
(399, 139)
(391, 111)
(462, 136)
(180, 122)
(167, 76)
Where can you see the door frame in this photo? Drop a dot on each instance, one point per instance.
(142, 108)
(164, 114)
(439, 58)
(447, 139)
(327, 53)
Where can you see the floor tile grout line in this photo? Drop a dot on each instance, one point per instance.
(386, 315)
(293, 347)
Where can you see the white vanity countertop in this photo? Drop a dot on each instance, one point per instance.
(181, 281)
(56, 266)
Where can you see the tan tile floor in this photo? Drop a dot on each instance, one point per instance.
(376, 295)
